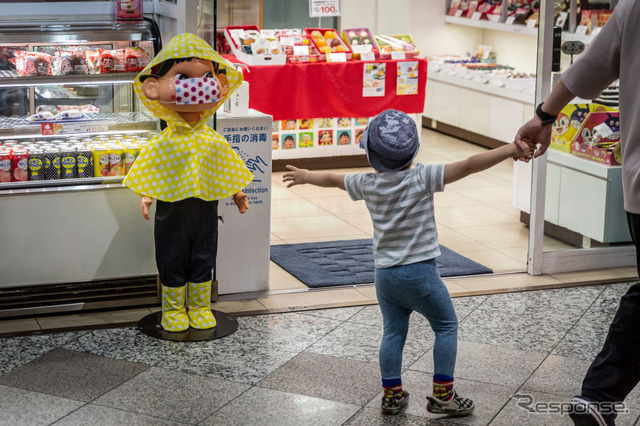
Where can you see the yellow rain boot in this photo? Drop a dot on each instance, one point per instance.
(199, 306)
(174, 316)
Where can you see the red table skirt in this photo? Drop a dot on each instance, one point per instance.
(314, 90)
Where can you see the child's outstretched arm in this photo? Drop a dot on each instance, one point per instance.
(298, 176)
(483, 161)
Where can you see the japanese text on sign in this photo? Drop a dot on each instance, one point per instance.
(320, 8)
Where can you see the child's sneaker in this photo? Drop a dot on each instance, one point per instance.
(393, 403)
(455, 406)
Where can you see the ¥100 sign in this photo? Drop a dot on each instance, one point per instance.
(322, 8)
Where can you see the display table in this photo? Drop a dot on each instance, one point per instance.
(320, 109)
(322, 89)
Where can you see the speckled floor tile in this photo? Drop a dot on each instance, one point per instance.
(17, 351)
(351, 382)
(373, 416)
(267, 407)
(518, 411)
(172, 395)
(586, 338)
(488, 363)
(559, 376)
(127, 344)
(92, 414)
(72, 375)
(339, 314)
(361, 342)
(24, 408)
(534, 320)
(489, 399)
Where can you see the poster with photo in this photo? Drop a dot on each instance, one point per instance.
(373, 79)
(407, 79)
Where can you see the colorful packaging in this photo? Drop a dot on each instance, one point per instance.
(20, 165)
(52, 164)
(131, 152)
(598, 138)
(84, 162)
(36, 165)
(68, 168)
(116, 160)
(566, 126)
(5, 166)
(101, 161)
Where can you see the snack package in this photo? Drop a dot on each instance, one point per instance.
(106, 61)
(598, 138)
(62, 63)
(41, 116)
(32, 63)
(570, 119)
(93, 61)
(135, 59)
(119, 62)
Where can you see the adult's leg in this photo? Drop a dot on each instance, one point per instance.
(616, 369)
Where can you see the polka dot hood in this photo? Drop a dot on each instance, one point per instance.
(187, 161)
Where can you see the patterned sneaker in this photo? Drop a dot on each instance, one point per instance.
(456, 406)
(393, 404)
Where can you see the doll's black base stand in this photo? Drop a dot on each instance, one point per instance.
(225, 325)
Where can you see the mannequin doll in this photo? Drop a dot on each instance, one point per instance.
(187, 168)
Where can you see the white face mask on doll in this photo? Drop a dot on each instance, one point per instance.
(197, 90)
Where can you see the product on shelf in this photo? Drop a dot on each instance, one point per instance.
(254, 46)
(565, 127)
(360, 40)
(327, 42)
(598, 138)
(32, 63)
(401, 42)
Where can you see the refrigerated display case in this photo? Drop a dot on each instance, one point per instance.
(66, 87)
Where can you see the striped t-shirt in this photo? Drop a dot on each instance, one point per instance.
(401, 208)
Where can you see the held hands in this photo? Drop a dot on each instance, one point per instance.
(532, 134)
(242, 201)
(296, 176)
(521, 154)
(145, 203)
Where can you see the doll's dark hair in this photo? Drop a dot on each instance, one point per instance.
(163, 67)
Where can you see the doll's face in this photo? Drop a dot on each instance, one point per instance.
(163, 89)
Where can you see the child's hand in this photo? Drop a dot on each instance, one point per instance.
(242, 202)
(296, 176)
(523, 151)
(145, 203)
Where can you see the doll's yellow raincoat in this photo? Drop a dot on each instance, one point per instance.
(184, 161)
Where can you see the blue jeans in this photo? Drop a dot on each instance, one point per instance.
(186, 239)
(415, 287)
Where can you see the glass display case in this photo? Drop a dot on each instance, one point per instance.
(68, 112)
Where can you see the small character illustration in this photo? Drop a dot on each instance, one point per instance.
(106, 64)
(361, 121)
(578, 116)
(289, 142)
(344, 122)
(359, 136)
(325, 137)
(324, 123)
(66, 65)
(306, 123)
(275, 141)
(306, 140)
(289, 125)
(345, 138)
(613, 121)
(561, 125)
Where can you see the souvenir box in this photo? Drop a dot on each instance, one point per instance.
(360, 40)
(291, 39)
(399, 42)
(566, 126)
(242, 37)
(598, 138)
(327, 41)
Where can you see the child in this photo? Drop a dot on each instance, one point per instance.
(405, 245)
(188, 167)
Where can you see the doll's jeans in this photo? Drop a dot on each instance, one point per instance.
(186, 239)
(415, 287)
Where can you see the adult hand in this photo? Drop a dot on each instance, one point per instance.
(533, 134)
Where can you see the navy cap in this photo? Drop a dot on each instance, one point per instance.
(390, 141)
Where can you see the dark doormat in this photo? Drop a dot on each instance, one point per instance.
(349, 262)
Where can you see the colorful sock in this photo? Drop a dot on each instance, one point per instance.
(442, 387)
(392, 387)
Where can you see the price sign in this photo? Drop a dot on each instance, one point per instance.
(321, 8)
(360, 48)
(338, 57)
(510, 20)
(367, 56)
(74, 127)
(301, 50)
(582, 29)
(531, 23)
(398, 54)
(458, 13)
(476, 15)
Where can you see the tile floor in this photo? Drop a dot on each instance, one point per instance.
(316, 367)
(304, 356)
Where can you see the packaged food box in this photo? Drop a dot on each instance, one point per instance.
(250, 47)
(566, 126)
(327, 41)
(360, 40)
(399, 42)
(598, 138)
